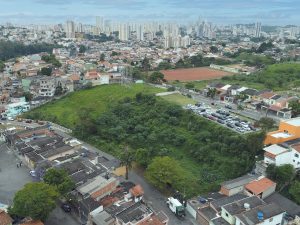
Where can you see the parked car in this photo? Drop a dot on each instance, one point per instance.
(66, 207)
(228, 107)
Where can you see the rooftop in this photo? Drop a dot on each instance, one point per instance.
(281, 135)
(219, 221)
(294, 122)
(259, 186)
(240, 181)
(94, 184)
(134, 213)
(285, 204)
(250, 217)
(238, 206)
(276, 149)
(217, 204)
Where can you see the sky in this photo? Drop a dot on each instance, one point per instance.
(269, 12)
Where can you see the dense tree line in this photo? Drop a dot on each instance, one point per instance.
(155, 128)
(9, 49)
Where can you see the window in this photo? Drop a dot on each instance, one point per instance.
(226, 214)
(294, 160)
(296, 155)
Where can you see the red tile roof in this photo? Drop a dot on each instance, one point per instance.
(137, 191)
(33, 222)
(270, 155)
(259, 186)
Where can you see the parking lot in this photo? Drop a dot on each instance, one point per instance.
(223, 117)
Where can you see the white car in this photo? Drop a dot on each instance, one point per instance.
(32, 173)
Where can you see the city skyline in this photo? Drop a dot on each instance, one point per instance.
(269, 12)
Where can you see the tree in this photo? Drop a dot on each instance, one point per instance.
(295, 107)
(295, 191)
(2, 66)
(102, 57)
(82, 49)
(189, 86)
(47, 71)
(35, 200)
(214, 49)
(127, 157)
(266, 123)
(165, 172)
(156, 77)
(60, 180)
(212, 92)
(283, 175)
(146, 64)
(28, 96)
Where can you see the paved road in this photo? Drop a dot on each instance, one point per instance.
(12, 178)
(158, 202)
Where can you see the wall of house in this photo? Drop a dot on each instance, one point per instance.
(226, 216)
(191, 210)
(295, 158)
(268, 192)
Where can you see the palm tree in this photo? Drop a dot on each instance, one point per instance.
(126, 157)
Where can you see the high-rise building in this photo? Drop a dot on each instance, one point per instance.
(257, 30)
(140, 32)
(70, 29)
(100, 23)
(123, 32)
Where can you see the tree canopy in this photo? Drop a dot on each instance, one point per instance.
(9, 49)
(35, 200)
(60, 180)
(165, 173)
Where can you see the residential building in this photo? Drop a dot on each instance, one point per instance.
(284, 153)
(237, 185)
(288, 130)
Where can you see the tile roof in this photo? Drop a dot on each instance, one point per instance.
(137, 191)
(259, 186)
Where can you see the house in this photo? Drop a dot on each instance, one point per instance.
(47, 86)
(261, 188)
(235, 186)
(288, 130)
(5, 219)
(96, 78)
(270, 214)
(98, 187)
(284, 153)
(230, 210)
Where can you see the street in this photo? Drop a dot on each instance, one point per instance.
(158, 202)
(13, 179)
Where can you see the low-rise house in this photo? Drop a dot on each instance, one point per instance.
(237, 185)
(270, 214)
(284, 153)
(261, 188)
(98, 187)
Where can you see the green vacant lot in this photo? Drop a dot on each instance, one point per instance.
(98, 99)
(178, 99)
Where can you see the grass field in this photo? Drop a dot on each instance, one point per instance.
(178, 99)
(98, 99)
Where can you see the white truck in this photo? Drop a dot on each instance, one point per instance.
(176, 207)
